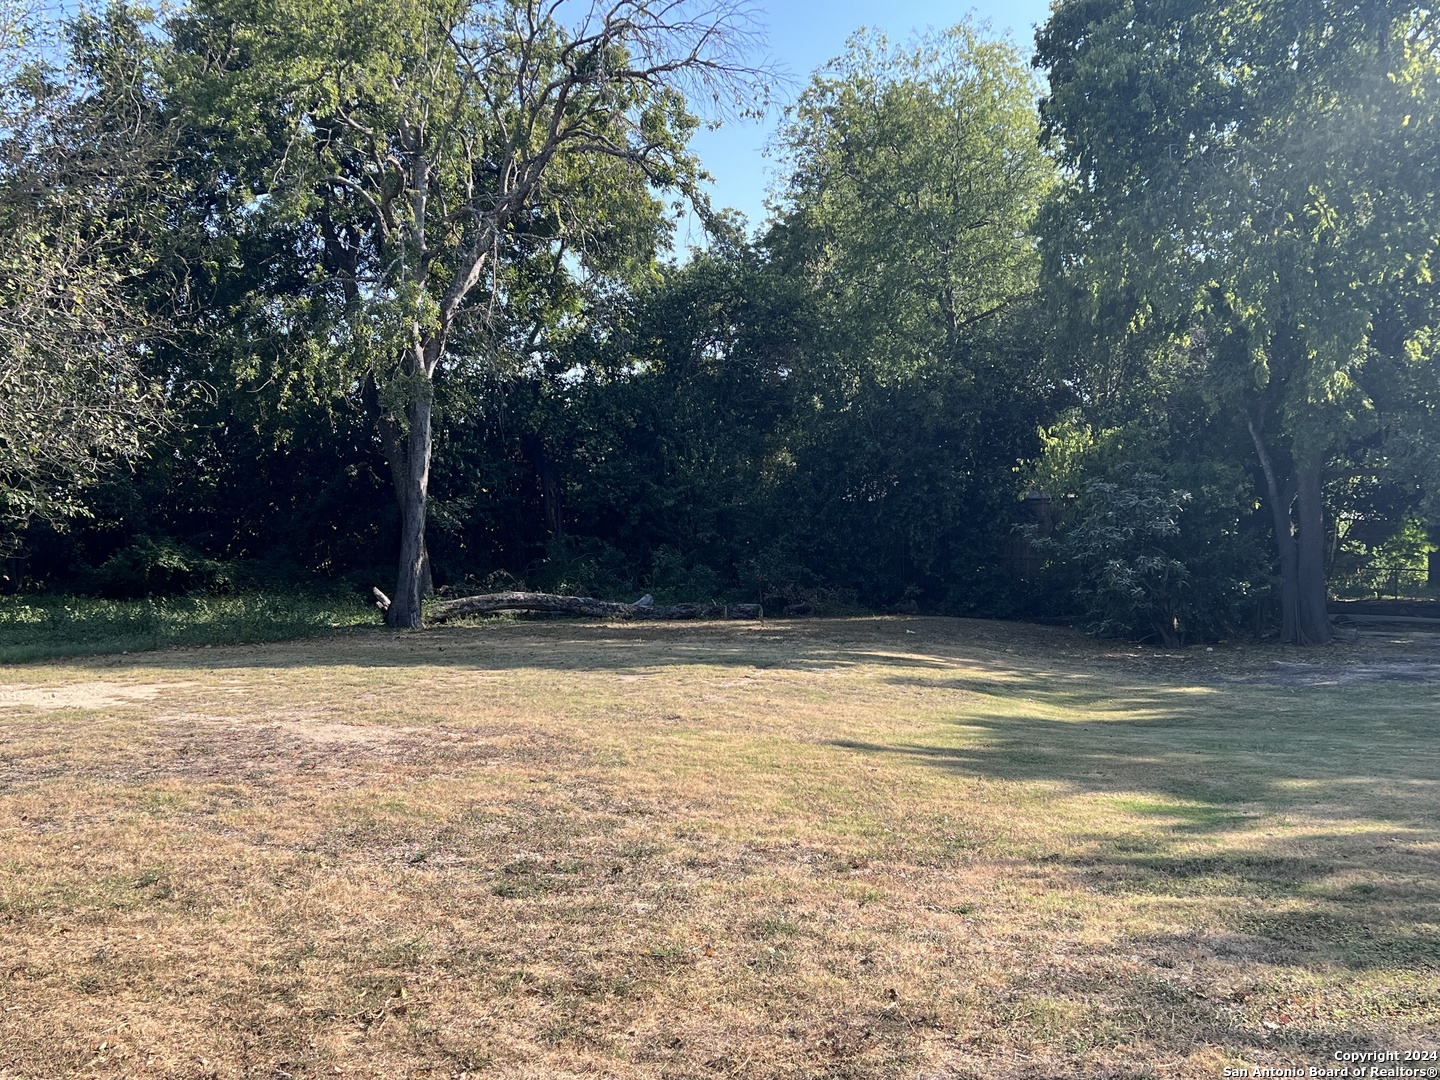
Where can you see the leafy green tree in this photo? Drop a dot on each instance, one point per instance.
(429, 146)
(1152, 528)
(1131, 582)
(684, 409)
(914, 176)
(1251, 197)
(85, 153)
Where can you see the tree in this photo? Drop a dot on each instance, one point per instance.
(1131, 583)
(84, 158)
(670, 432)
(914, 175)
(1251, 197)
(430, 145)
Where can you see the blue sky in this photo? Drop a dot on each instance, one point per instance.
(801, 36)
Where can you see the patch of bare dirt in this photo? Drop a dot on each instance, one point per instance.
(216, 749)
(87, 695)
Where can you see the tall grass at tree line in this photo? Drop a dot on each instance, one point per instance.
(41, 627)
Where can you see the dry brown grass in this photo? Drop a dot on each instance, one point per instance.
(851, 848)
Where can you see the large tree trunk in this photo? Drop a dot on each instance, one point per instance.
(411, 473)
(407, 452)
(1304, 619)
(1312, 616)
(1284, 539)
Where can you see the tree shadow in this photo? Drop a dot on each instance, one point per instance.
(1298, 824)
(1014, 656)
(1190, 797)
(567, 645)
(1188, 759)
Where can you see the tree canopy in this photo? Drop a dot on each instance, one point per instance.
(1252, 192)
(351, 284)
(84, 165)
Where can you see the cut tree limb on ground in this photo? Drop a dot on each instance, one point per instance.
(549, 603)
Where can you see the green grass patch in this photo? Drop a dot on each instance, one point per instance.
(43, 627)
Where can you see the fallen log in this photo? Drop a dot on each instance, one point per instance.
(551, 604)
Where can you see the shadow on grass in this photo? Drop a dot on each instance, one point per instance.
(939, 644)
(1194, 794)
(1190, 765)
(544, 646)
(1059, 669)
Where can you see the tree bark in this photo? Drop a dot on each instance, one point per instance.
(412, 484)
(1312, 617)
(493, 603)
(1284, 539)
(1300, 545)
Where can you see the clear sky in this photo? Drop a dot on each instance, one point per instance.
(802, 35)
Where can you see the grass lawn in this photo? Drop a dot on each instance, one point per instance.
(898, 847)
(43, 627)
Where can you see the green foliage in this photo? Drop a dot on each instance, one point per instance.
(914, 175)
(1154, 534)
(41, 627)
(1384, 561)
(1250, 207)
(753, 424)
(1269, 165)
(400, 144)
(427, 155)
(152, 566)
(1120, 538)
(587, 567)
(361, 222)
(84, 153)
